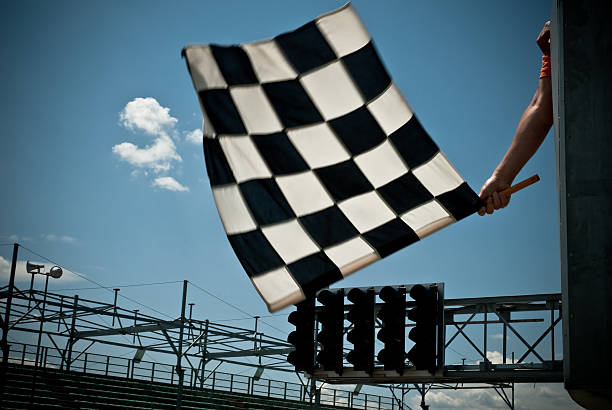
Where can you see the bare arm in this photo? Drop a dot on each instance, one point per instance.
(531, 131)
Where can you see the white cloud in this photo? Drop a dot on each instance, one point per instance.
(170, 184)
(21, 274)
(157, 156)
(146, 114)
(496, 357)
(545, 396)
(160, 155)
(194, 136)
(15, 238)
(58, 238)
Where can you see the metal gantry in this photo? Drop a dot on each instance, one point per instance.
(194, 343)
(483, 312)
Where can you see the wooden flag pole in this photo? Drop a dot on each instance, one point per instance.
(523, 184)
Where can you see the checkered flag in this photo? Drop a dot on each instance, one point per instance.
(317, 164)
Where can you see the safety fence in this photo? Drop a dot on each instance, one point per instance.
(130, 368)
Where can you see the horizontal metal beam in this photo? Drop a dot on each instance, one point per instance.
(249, 352)
(130, 329)
(523, 373)
(503, 299)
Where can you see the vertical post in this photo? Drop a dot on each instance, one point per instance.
(135, 318)
(504, 341)
(552, 333)
(190, 315)
(255, 339)
(179, 356)
(42, 321)
(7, 314)
(72, 331)
(205, 345)
(313, 388)
(485, 335)
(115, 305)
(61, 311)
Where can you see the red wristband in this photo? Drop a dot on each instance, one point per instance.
(545, 71)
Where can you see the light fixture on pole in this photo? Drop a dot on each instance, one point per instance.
(56, 273)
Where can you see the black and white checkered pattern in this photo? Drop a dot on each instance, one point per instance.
(317, 164)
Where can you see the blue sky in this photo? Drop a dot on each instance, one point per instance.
(80, 78)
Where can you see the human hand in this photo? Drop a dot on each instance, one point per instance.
(491, 194)
(543, 39)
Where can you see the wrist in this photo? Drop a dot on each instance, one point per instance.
(545, 70)
(502, 176)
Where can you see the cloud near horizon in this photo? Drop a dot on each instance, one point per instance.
(58, 238)
(22, 276)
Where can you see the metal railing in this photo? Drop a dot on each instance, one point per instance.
(113, 366)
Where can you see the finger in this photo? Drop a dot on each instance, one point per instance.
(485, 192)
(481, 211)
(496, 201)
(505, 199)
(490, 205)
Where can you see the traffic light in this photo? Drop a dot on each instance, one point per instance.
(330, 337)
(423, 334)
(392, 315)
(361, 315)
(302, 337)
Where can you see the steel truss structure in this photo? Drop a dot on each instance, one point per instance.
(61, 321)
(494, 310)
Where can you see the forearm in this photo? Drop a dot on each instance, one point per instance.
(531, 131)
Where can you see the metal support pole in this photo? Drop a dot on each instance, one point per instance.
(61, 312)
(31, 288)
(190, 315)
(255, 339)
(485, 337)
(115, 305)
(135, 318)
(179, 356)
(204, 347)
(552, 334)
(313, 388)
(423, 392)
(504, 341)
(72, 332)
(42, 321)
(7, 314)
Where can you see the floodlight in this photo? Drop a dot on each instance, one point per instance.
(56, 272)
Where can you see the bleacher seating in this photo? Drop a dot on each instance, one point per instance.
(29, 387)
